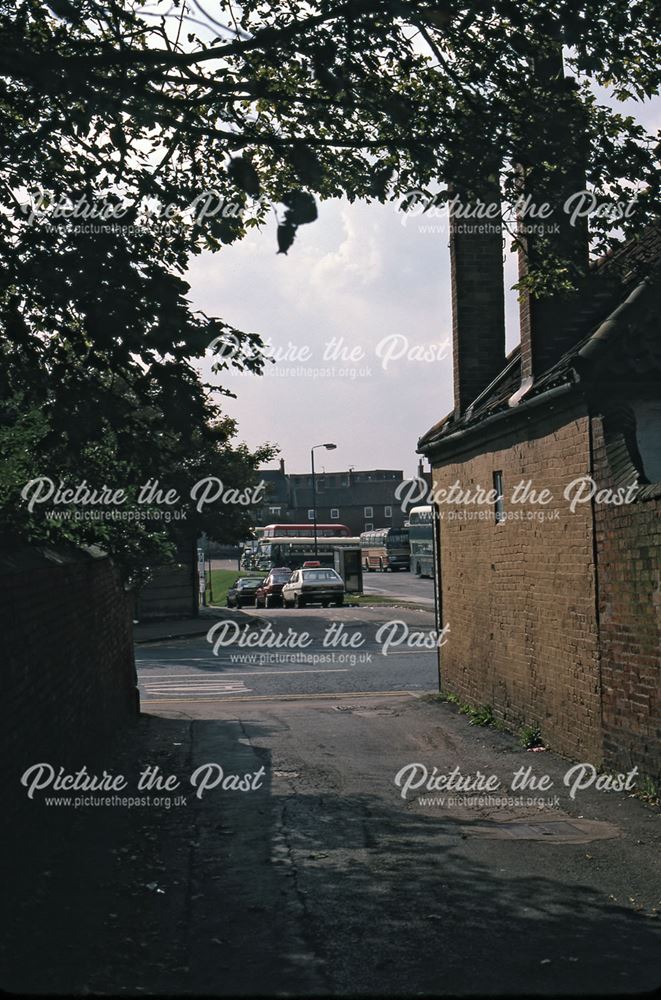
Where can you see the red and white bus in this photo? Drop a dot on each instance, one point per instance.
(305, 531)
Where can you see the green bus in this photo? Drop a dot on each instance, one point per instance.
(294, 551)
(421, 541)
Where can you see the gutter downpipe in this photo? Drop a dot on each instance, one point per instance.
(496, 418)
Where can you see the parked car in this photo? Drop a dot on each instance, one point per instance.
(269, 593)
(243, 591)
(313, 586)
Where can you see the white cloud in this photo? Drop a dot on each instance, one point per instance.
(355, 276)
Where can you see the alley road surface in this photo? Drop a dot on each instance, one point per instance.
(285, 855)
(328, 650)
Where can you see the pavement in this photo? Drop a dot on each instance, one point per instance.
(319, 878)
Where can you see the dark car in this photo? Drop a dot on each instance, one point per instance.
(269, 594)
(243, 591)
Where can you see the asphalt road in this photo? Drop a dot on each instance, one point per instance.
(288, 653)
(406, 585)
(319, 878)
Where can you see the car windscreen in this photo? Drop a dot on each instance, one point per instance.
(247, 584)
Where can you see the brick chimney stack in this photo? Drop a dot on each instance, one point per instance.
(558, 137)
(478, 300)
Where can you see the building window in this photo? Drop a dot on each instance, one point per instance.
(499, 505)
(387, 512)
(369, 512)
(335, 514)
(311, 515)
(369, 527)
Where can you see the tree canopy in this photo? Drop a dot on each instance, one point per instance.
(134, 135)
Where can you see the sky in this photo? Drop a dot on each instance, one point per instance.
(358, 316)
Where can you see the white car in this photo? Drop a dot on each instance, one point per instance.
(313, 586)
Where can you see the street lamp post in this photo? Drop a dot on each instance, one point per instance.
(328, 447)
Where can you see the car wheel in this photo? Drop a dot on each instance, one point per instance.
(299, 602)
(325, 604)
(418, 571)
(339, 602)
(228, 603)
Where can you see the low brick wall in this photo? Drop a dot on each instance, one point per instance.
(67, 675)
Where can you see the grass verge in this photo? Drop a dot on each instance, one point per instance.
(221, 581)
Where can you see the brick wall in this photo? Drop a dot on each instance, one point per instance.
(520, 596)
(67, 679)
(629, 575)
(478, 303)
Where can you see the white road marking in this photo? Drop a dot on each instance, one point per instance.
(173, 688)
(147, 678)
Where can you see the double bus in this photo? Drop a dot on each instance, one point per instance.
(304, 531)
(294, 550)
(385, 549)
(421, 540)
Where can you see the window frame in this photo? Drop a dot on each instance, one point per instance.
(499, 503)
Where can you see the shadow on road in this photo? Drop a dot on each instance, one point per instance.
(303, 892)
